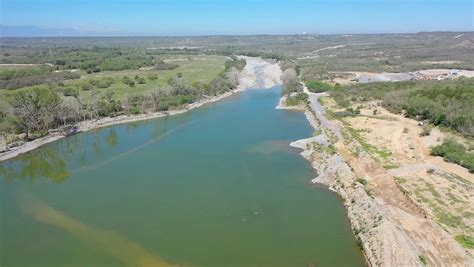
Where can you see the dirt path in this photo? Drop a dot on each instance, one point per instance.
(413, 151)
(320, 111)
(406, 232)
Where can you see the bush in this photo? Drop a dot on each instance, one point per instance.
(152, 76)
(423, 259)
(352, 111)
(68, 91)
(298, 99)
(316, 86)
(141, 80)
(161, 65)
(451, 151)
(128, 81)
(426, 130)
(291, 87)
(465, 241)
(362, 181)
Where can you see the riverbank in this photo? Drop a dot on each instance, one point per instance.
(391, 229)
(257, 73)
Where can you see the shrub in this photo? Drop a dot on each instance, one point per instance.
(152, 76)
(128, 81)
(362, 181)
(141, 80)
(86, 87)
(454, 152)
(317, 86)
(423, 259)
(465, 241)
(161, 65)
(298, 99)
(291, 87)
(68, 91)
(426, 130)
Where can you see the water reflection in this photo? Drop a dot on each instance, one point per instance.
(50, 161)
(112, 138)
(44, 162)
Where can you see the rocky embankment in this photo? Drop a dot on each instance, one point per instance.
(389, 228)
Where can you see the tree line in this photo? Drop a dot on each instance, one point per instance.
(445, 103)
(35, 111)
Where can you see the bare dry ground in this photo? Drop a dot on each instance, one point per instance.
(430, 199)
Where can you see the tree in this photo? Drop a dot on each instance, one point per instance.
(288, 76)
(36, 109)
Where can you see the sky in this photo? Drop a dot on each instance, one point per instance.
(229, 17)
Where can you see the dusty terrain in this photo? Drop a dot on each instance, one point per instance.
(399, 198)
(259, 73)
(444, 191)
(429, 74)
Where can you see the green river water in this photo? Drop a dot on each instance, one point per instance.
(217, 186)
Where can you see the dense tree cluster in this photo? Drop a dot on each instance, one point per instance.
(22, 77)
(446, 103)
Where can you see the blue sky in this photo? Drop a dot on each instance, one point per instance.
(207, 17)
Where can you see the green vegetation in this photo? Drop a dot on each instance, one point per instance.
(292, 87)
(444, 103)
(13, 78)
(381, 153)
(316, 86)
(362, 181)
(426, 130)
(161, 65)
(423, 259)
(299, 98)
(36, 109)
(454, 152)
(465, 241)
(91, 60)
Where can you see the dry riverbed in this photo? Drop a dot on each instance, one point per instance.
(258, 73)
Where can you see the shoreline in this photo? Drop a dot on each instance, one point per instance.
(390, 230)
(249, 77)
(88, 125)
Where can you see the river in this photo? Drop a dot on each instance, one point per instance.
(216, 186)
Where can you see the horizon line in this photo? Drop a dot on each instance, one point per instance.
(217, 35)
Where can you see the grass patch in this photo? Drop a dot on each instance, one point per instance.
(423, 259)
(382, 153)
(465, 241)
(362, 181)
(390, 166)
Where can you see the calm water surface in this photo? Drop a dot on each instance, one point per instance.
(218, 186)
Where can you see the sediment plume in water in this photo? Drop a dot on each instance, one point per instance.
(121, 155)
(105, 241)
